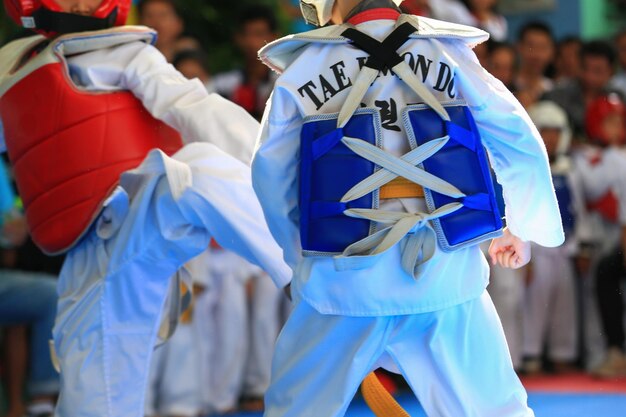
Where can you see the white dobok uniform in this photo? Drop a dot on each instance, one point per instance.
(439, 329)
(116, 278)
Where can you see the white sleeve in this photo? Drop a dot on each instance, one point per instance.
(183, 104)
(516, 151)
(275, 173)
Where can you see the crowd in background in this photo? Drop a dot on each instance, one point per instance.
(562, 313)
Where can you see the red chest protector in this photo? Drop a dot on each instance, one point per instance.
(69, 147)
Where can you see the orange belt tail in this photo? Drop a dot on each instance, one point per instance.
(379, 399)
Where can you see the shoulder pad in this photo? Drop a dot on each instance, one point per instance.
(431, 28)
(13, 53)
(77, 43)
(278, 55)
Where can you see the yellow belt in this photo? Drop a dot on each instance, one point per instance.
(400, 188)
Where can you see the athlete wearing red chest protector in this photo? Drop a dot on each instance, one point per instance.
(129, 168)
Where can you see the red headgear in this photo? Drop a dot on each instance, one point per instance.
(597, 111)
(46, 17)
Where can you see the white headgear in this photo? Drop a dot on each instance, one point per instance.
(318, 12)
(547, 114)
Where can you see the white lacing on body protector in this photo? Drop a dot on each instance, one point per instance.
(421, 242)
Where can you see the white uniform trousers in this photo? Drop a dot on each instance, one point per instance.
(506, 288)
(456, 361)
(174, 387)
(265, 323)
(225, 314)
(593, 334)
(551, 308)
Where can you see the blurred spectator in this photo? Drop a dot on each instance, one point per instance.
(30, 299)
(567, 59)
(619, 80)
(598, 165)
(193, 63)
(535, 46)
(551, 313)
(502, 63)
(250, 86)
(416, 7)
(506, 288)
(486, 17)
(175, 385)
(478, 13)
(164, 17)
(447, 10)
(225, 325)
(14, 366)
(265, 301)
(598, 60)
(606, 126)
(26, 298)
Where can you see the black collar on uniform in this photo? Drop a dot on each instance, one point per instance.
(381, 54)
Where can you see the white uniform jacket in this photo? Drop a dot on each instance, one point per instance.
(115, 280)
(318, 68)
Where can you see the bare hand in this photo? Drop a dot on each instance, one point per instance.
(509, 251)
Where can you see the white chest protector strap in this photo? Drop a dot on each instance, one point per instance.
(422, 239)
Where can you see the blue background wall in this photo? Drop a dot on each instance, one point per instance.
(564, 20)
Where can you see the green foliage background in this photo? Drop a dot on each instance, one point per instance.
(212, 22)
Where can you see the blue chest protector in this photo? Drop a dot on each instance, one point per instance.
(462, 162)
(446, 158)
(326, 174)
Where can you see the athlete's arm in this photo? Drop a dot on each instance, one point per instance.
(183, 104)
(516, 151)
(275, 173)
